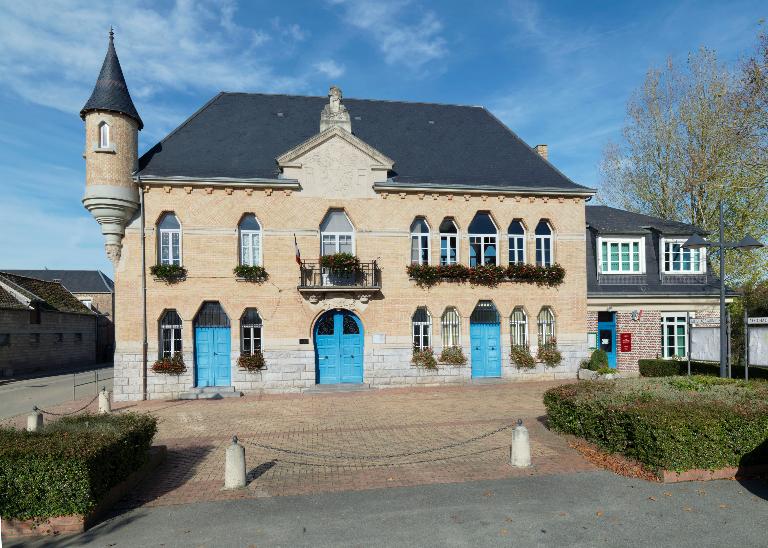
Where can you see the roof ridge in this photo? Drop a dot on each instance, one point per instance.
(104, 279)
(351, 99)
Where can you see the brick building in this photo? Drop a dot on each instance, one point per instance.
(43, 327)
(642, 286)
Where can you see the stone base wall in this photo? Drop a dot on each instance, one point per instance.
(294, 371)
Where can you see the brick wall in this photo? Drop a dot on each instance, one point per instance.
(55, 345)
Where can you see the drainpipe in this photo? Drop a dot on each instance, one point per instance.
(144, 345)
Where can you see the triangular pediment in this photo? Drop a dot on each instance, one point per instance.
(293, 157)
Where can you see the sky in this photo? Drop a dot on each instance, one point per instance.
(558, 73)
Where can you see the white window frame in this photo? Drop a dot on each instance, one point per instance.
(174, 340)
(450, 237)
(544, 335)
(674, 320)
(450, 327)
(702, 266)
(105, 137)
(421, 237)
(520, 238)
(421, 330)
(518, 327)
(250, 233)
(484, 240)
(620, 240)
(542, 238)
(170, 232)
(335, 235)
(251, 327)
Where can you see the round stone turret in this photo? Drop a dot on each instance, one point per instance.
(111, 153)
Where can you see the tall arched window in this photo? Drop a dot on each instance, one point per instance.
(250, 331)
(336, 234)
(169, 239)
(104, 137)
(170, 334)
(422, 328)
(518, 327)
(546, 325)
(451, 324)
(250, 240)
(419, 241)
(543, 244)
(483, 240)
(516, 233)
(449, 242)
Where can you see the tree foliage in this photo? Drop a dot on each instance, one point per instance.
(696, 135)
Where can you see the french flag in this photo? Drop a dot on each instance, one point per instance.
(298, 253)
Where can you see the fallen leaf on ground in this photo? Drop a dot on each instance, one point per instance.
(667, 494)
(504, 532)
(724, 506)
(615, 462)
(651, 498)
(488, 494)
(701, 492)
(688, 509)
(598, 514)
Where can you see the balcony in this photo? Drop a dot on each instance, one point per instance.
(316, 280)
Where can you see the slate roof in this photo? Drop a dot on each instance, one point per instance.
(239, 135)
(7, 300)
(604, 220)
(111, 91)
(50, 295)
(76, 281)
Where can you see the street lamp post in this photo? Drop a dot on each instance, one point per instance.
(697, 242)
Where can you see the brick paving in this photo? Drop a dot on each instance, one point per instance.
(322, 433)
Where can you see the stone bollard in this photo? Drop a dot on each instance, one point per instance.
(521, 446)
(234, 466)
(105, 407)
(35, 420)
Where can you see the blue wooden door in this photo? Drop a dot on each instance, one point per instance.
(606, 338)
(339, 348)
(212, 356)
(486, 349)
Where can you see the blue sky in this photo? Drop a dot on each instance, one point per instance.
(556, 72)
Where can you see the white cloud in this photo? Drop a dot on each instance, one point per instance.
(401, 42)
(329, 68)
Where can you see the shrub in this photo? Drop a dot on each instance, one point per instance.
(453, 272)
(540, 275)
(69, 466)
(425, 275)
(453, 355)
(665, 424)
(549, 354)
(486, 275)
(252, 362)
(598, 360)
(170, 366)
(340, 261)
(171, 273)
(670, 368)
(424, 358)
(521, 357)
(254, 273)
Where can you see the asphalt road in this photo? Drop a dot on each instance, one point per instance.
(18, 396)
(584, 509)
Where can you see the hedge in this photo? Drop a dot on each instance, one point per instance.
(670, 368)
(668, 424)
(70, 465)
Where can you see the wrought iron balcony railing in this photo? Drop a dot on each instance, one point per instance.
(683, 279)
(366, 276)
(621, 279)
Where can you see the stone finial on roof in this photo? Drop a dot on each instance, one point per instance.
(334, 113)
(111, 92)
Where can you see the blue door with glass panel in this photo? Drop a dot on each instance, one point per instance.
(212, 347)
(486, 349)
(339, 348)
(606, 335)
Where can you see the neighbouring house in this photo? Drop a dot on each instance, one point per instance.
(43, 327)
(643, 287)
(96, 291)
(337, 239)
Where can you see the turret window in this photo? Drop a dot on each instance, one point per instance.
(104, 135)
(169, 231)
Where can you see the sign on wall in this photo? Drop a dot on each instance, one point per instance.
(625, 342)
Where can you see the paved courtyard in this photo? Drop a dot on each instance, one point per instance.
(309, 444)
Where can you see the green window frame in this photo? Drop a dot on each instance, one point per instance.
(674, 335)
(621, 256)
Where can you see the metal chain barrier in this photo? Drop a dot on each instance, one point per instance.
(44, 412)
(378, 457)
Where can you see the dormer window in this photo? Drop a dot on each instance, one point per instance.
(104, 137)
(621, 255)
(677, 260)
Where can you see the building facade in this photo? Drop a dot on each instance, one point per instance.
(43, 327)
(257, 180)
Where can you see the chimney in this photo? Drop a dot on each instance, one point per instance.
(541, 150)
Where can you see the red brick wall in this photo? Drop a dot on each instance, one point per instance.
(646, 336)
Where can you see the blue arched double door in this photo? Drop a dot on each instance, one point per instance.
(339, 348)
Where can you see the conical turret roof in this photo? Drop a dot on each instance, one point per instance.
(111, 91)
